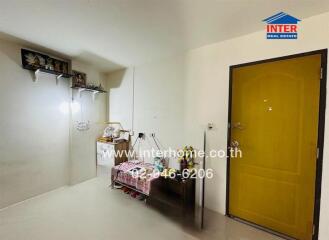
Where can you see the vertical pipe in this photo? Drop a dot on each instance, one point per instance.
(133, 102)
(203, 180)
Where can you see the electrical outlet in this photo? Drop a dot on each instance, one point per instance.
(210, 126)
(141, 135)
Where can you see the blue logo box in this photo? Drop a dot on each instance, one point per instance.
(282, 35)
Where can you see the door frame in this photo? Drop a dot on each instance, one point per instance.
(321, 128)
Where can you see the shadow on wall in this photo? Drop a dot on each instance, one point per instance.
(26, 44)
(116, 78)
(101, 64)
(10, 39)
(120, 92)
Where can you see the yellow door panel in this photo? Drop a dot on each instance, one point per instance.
(276, 105)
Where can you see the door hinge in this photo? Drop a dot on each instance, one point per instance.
(313, 230)
(229, 125)
(321, 73)
(317, 153)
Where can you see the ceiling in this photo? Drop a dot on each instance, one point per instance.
(112, 34)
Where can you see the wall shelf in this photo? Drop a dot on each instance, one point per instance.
(37, 71)
(93, 91)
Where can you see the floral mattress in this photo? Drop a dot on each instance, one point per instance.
(136, 174)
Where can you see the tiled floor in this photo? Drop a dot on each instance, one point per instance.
(92, 211)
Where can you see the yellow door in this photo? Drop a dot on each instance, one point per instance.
(274, 119)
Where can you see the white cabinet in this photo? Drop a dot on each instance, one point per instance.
(105, 154)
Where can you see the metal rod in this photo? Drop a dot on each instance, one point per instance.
(203, 179)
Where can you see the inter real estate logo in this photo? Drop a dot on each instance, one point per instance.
(281, 26)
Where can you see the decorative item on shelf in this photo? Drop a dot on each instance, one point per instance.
(100, 87)
(109, 132)
(50, 64)
(91, 86)
(186, 158)
(95, 87)
(57, 66)
(33, 60)
(79, 79)
(39, 62)
(114, 133)
(79, 83)
(65, 67)
(160, 163)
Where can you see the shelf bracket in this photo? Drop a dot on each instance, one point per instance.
(58, 77)
(80, 90)
(36, 75)
(94, 95)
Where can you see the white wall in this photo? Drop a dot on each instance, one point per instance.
(34, 142)
(83, 143)
(158, 103)
(40, 149)
(120, 88)
(204, 75)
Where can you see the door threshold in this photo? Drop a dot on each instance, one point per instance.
(281, 235)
